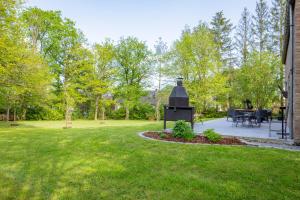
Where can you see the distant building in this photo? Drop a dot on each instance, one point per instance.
(291, 59)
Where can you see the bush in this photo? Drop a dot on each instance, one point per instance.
(162, 135)
(44, 113)
(138, 112)
(117, 114)
(212, 113)
(142, 111)
(212, 136)
(183, 130)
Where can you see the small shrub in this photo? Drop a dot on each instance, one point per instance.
(212, 136)
(183, 130)
(162, 135)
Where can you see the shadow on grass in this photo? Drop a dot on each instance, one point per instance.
(14, 125)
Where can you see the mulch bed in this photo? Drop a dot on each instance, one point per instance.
(198, 139)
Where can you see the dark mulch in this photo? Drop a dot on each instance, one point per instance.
(198, 139)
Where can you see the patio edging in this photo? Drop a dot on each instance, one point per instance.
(248, 144)
(141, 134)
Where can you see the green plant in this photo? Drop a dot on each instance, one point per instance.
(212, 136)
(162, 135)
(183, 130)
(137, 112)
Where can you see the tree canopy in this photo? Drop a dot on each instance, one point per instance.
(48, 70)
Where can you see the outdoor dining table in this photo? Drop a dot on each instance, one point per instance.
(245, 115)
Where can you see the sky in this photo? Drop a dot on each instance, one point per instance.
(145, 19)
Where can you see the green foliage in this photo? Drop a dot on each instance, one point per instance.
(47, 70)
(143, 111)
(103, 75)
(117, 114)
(212, 136)
(222, 29)
(138, 112)
(257, 80)
(24, 77)
(161, 59)
(261, 27)
(61, 45)
(162, 135)
(132, 69)
(182, 130)
(212, 113)
(200, 65)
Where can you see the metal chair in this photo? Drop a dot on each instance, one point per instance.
(230, 113)
(238, 117)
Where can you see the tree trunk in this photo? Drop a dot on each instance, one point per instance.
(24, 114)
(157, 110)
(7, 114)
(96, 108)
(127, 113)
(102, 112)
(15, 114)
(68, 117)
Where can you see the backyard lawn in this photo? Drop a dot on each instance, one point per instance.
(108, 160)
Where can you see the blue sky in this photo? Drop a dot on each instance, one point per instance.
(147, 20)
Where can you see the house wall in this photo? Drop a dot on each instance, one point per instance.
(296, 92)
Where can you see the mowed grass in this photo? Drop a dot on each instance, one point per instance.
(108, 160)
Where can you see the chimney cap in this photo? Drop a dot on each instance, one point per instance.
(179, 81)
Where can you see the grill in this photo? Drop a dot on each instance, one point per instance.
(178, 108)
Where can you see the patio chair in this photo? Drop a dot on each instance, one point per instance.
(265, 115)
(230, 113)
(259, 117)
(250, 118)
(238, 117)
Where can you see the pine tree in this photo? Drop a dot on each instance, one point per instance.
(261, 27)
(278, 11)
(222, 29)
(243, 36)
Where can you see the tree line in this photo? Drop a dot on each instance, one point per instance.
(49, 71)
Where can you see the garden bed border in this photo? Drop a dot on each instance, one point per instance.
(247, 143)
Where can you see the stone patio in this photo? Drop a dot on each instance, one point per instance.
(224, 127)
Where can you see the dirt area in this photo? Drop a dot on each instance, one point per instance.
(198, 139)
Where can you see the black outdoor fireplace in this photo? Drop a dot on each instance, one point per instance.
(178, 108)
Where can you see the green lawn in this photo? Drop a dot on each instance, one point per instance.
(96, 160)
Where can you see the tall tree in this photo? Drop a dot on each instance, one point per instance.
(222, 29)
(77, 70)
(61, 45)
(46, 33)
(23, 74)
(161, 49)
(200, 66)
(257, 80)
(103, 75)
(278, 12)
(132, 58)
(261, 27)
(243, 36)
